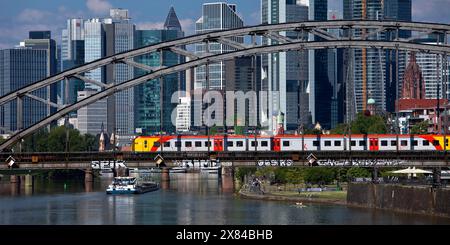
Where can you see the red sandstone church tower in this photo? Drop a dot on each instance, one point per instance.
(413, 84)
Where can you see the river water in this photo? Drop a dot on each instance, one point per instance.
(189, 199)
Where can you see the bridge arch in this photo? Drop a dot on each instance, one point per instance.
(269, 31)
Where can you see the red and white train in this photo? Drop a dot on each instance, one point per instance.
(371, 142)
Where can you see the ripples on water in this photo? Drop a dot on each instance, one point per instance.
(188, 199)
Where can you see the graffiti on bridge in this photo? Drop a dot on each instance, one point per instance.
(108, 164)
(360, 162)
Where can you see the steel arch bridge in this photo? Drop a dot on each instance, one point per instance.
(359, 34)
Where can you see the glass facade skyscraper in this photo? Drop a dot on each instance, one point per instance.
(20, 67)
(285, 74)
(72, 55)
(373, 71)
(321, 90)
(215, 16)
(119, 38)
(147, 96)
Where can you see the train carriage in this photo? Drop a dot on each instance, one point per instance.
(371, 142)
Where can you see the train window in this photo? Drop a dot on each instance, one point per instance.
(198, 144)
(362, 143)
(415, 143)
(315, 143)
(384, 143)
(188, 144)
(353, 143)
(145, 143)
(286, 143)
(436, 142)
(425, 143)
(337, 143)
(166, 144)
(264, 143)
(253, 143)
(156, 144)
(393, 143)
(327, 142)
(207, 143)
(230, 143)
(178, 144)
(239, 143)
(404, 143)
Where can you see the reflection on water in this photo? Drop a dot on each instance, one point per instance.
(187, 199)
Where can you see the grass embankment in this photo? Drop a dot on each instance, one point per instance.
(291, 194)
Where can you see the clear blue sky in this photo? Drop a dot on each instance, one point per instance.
(17, 17)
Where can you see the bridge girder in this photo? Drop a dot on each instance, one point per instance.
(270, 31)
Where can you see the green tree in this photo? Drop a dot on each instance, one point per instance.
(420, 128)
(357, 172)
(369, 124)
(319, 175)
(55, 141)
(339, 129)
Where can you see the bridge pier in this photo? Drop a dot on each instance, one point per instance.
(165, 176)
(29, 180)
(13, 179)
(88, 176)
(227, 171)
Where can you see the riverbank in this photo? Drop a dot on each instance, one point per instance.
(326, 197)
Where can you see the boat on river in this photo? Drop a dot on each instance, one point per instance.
(131, 185)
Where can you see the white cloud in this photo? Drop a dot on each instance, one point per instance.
(187, 25)
(98, 6)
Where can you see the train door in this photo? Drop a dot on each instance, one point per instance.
(276, 144)
(373, 144)
(218, 144)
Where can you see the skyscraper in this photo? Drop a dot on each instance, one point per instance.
(321, 91)
(285, 74)
(215, 16)
(72, 55)
(41, 40)
(94, 48)
(148, 95)
(119, 33)
(105, 37)
(372, 72)
(20, 67)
